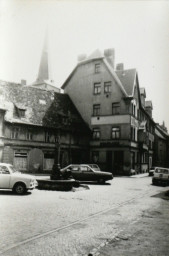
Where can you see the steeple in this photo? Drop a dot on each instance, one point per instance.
(44, 68)
(44, 80)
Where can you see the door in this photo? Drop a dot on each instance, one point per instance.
(118, 161)
(109, 167)
(36, 160)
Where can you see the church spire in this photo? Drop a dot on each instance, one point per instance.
(44, 65)
(44, 80)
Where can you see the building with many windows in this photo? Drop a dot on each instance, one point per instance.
(114, 106)
(32, 123)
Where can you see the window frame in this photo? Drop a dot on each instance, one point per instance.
(96, 109)
(116, 133)
(97, 68)
(96, 134)
(116, 108)
(107, 85)
(96, 88)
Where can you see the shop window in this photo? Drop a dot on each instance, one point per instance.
(20, 160)
(48, 161)
(115, 133)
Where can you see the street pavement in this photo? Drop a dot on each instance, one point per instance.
(76, 223)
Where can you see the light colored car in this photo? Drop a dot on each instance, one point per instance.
(14, 180)
(84, 172)
(151, 171)
(161, 176)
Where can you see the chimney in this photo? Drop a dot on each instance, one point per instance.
(23, 82)
(120, 67)
(149, 107)
(81, 57)
(110, 56)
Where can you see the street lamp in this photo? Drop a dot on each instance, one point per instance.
(56, 175)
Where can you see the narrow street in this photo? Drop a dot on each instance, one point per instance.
(123, 217)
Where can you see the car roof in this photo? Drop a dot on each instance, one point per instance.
(5, 164)
(162, 168)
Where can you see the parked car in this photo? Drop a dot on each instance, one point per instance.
(151, 171)
(95, 167)
(85, 172)
(161, 176)
(14, 180)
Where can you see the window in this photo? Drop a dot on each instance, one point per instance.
(29, 135)
(19, 112)
(20, 160)
(107, 87)
(116, 108)
(97, 88)
(96, 110)
(47, 137)
(22, 112)
(96, 133)
(115, 133)
(15, 133)
(95, 156)
(97, 68)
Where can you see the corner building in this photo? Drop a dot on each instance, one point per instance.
(115, 108)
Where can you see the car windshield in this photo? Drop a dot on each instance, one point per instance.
(95, 167)
(12, 169)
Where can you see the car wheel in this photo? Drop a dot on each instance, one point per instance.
(154, 182)
(19, 188)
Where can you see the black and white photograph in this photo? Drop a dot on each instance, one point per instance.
(84, 128)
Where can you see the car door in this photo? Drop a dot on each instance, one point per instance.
(165, 175)
(75, 170)
(87, 174)
(4, 177)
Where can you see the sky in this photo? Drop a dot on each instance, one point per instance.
(137, 30)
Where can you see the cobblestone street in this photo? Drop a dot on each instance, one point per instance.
(76, 223)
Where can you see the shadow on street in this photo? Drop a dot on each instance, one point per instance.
(10, 193)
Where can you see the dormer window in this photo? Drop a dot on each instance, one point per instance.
(19, 111)
(22, 112)
(97, 68)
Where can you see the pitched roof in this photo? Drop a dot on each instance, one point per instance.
(127, 78)
(42, 108)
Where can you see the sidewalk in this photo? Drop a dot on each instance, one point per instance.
(140, 175)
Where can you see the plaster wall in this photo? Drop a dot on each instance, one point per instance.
(80, 88)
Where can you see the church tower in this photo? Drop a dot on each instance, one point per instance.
(44, 80)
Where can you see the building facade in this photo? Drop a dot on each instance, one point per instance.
(113, 105)
(34, 123)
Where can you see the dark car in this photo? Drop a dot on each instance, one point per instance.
(84, 172)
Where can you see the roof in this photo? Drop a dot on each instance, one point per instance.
(159, 134)
(42, 108)
(127, 78)
(97, 55)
